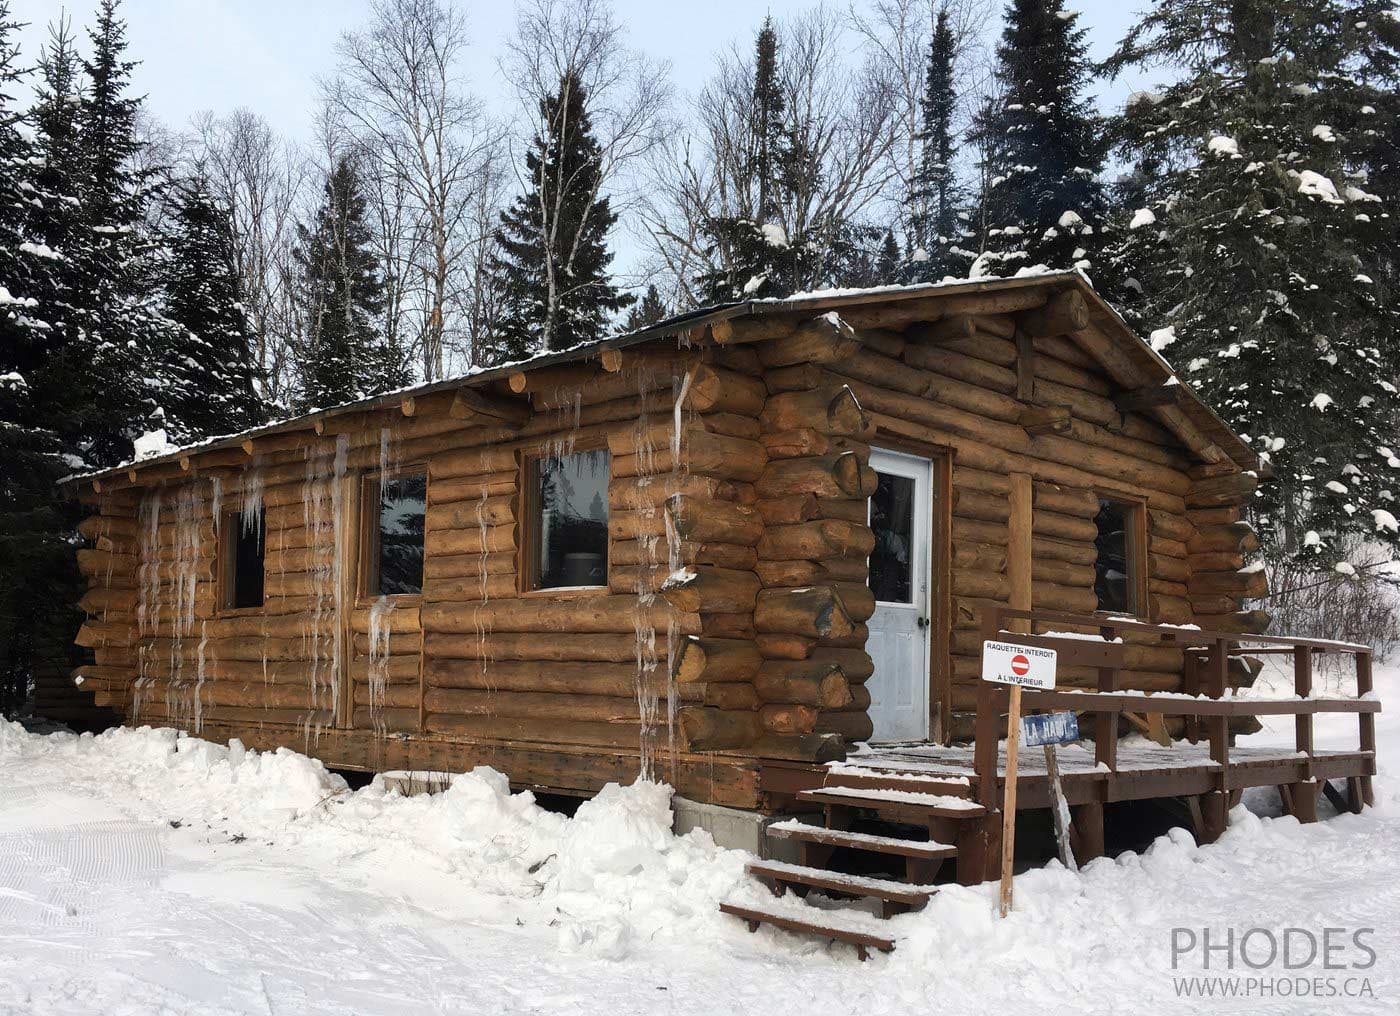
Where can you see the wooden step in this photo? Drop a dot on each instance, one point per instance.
(835, 881)
(874, 779)
(932, 805)
(796, 829)
(821, 923)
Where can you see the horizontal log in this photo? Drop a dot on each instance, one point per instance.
(825, 339)
(829, 410)
(630, 493)
(707, 589)
(470, 588)
(819, 683)
(788, 718)
(708, 729)
(717, 390)
(1248, 584)
(493, 511)
(456, 566)
(712, 660)
(710, 521)
(620, 709)
(516, 646)
(569, 614)
(472, 488)
(852, 726)
(615, 680)
(469, 540)
(534, 729)
(1231, 489)
(843, 475)
(472, 462)
(734, 695)
(821, 538)
(786, 510)
(1216, 561)
(813, 612)
(1232, 537)
(812, 572)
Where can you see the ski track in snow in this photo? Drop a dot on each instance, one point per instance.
(141, 873)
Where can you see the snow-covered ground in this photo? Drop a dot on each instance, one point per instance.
(141, 873)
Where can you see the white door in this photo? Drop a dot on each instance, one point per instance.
(902, 517)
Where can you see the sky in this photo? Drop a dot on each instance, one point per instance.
(266, 55)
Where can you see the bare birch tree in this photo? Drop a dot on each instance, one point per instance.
(840, 114)
(400, 92)
(559, 45)
(260, 178)
(896, 35)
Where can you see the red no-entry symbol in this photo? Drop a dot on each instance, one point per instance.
(1020, 666)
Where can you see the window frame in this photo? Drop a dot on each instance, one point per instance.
(1135, 539)
(225, 561)
(526, 565)
(367, 540)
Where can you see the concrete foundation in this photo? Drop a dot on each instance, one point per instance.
(736, 829)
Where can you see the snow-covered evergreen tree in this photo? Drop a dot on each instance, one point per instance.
(208, 347)
(934, 198)
(39, 582)
(1042, 148)
(341, 355)
(553, 240)
(1263, 252)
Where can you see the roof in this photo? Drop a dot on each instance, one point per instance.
(1136, 364)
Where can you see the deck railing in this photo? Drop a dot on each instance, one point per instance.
(1203, 702)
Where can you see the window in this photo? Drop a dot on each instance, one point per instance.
(568, 512)
(396, 508)
(1118, 564)
(244, 540)
(892, 519)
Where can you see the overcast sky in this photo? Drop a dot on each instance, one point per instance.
(266, 54)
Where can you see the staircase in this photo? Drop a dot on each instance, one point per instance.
(939, 808)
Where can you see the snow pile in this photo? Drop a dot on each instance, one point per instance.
(152, 444)
(613, 875)
(1142, 217)
(1315, 185)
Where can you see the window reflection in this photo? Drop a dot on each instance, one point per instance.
(571, 495)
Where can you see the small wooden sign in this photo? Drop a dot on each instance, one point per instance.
(1023, 666)
(1020, 667)
(1050, 728)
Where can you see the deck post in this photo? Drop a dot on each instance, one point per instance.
(1367, 725)
(1301, 797)
(1086, 831)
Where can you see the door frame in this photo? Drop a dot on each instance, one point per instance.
(940, 578)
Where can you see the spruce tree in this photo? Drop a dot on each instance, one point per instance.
(647, 311)
(1261, 244)
(117, 309)
(39, 581)
(1042, 147)
(934, 199)
(751, 246)
(208, 351)
(341, 356)
(553, 254)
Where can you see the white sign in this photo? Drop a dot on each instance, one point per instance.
(1028, 666)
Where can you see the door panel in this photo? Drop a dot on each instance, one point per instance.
(901, 517)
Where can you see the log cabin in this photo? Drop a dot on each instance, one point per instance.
(723, 550)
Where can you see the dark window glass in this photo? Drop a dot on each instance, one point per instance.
(403, 501)
(571, 493)
(246, 541)
(1112, 568)
(892, 519)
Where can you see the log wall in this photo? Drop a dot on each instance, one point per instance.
(734, 616)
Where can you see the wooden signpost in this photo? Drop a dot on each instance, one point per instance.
(1020, 667)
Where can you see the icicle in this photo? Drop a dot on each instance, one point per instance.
(199, 676)
(379, 631)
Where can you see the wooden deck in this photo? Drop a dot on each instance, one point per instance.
(1142, 772)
